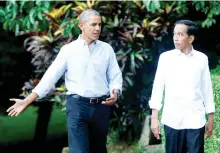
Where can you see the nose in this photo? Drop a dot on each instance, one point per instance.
(175, 38)
(98, 27)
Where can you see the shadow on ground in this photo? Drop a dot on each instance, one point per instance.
(53, 145)
(42, 141)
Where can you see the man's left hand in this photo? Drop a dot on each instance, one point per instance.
(209, 129)
(112, 99)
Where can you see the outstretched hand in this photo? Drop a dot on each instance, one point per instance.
(19, 106)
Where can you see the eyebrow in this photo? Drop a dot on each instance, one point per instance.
(95, 23)
(177, 32)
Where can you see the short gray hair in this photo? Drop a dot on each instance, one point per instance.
(86, 14)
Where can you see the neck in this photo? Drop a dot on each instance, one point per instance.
(187, 50)
(89, 41)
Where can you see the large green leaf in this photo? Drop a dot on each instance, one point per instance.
(17, 28)
(152, 5)
(2, 12)
(12, 8)
(32, 15)
(22, 2)
(129, 81)
(116, 22)
(67, 31)
(47, 4)
(132, 58)
(139, 56)
(40, 13)
(5, 25)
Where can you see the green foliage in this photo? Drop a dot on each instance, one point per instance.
(211, 9)
(24, 16)
(131, 33)
(152, 5)
(129, 26)
(216, 71)
(212, 144)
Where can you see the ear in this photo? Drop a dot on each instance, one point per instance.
(80, 25)
(191, 39)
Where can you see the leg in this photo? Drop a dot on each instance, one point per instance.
(195, 140)
(175, 140)
(98, 129)
(77, 127)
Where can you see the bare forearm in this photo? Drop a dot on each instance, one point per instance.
(154, 113)
(30, 98)
(211, 116)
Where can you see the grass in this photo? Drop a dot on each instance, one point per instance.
(115, 146)
(18, 128)
(123, 147)
(22, 127)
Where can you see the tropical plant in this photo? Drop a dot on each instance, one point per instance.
(129, 26)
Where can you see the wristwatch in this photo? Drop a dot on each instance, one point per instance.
(117, 92)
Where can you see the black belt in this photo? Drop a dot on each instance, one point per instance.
(91, 100)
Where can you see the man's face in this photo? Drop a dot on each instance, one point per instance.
(180, 37)
(91, 28)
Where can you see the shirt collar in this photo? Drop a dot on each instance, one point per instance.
(179, 53)
(84, 42)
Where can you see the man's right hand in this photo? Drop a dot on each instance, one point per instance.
(155, 127)
(19, 106)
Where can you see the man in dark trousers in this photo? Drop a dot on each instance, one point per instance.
(93, 80)
(184, 74)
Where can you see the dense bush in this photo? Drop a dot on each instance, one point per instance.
(212, 144)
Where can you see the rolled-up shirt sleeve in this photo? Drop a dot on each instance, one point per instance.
(114, 74)
(158, 85)
(206, 87)
(52, 75)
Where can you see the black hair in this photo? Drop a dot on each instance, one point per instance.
(192, 28)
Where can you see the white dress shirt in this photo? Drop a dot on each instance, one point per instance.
(88, 72)
(188, 89)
